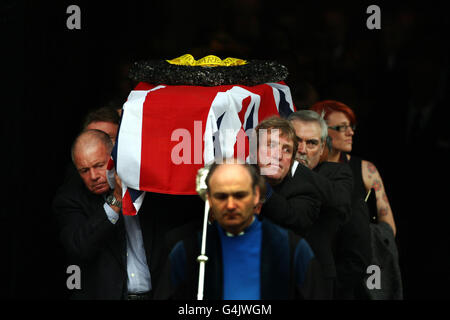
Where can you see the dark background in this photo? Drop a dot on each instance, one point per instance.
(52, 76)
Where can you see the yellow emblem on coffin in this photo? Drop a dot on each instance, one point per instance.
(208, 61)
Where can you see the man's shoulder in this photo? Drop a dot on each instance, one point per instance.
(295, 240)
(301, 174)
(73, 190)
(186, 232)
(332, 168)
(328, 165)
(268, 226)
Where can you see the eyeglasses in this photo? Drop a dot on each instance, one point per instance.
(343, 127)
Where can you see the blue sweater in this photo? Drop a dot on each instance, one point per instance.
(241, 272)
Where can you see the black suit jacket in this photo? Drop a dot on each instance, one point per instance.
(294, 204)
(334, 182)
(92, 242)
(314, 204)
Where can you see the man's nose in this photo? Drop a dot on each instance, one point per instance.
(231, 203)
(280, 153)
(93, 174)
(301, 147)
(276, 154)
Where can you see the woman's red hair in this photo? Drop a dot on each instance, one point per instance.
(329, 106)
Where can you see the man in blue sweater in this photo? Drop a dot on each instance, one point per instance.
(249, 258)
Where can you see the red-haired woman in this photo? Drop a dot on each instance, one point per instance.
(341, 122)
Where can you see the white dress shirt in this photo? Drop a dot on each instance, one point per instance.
(139, 279)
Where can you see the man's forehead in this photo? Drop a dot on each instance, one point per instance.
(88, 144)
(306, 127)
(276, 133)
(109, 128)
(230, 174)
(101, 124)
(87, 150)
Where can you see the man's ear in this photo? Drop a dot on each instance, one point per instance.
(257, 195)
(258, 205)
(323, 147)
(325, 150)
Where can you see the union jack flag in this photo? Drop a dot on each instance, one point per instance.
(167, 133)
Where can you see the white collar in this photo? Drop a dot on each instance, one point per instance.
(228, 234)
(294, 167)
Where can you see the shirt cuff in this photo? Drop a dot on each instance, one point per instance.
(112, 215)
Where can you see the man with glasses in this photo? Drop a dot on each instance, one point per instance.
(335, 226)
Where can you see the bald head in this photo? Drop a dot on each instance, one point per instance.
(91, 151)
(90, 138)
